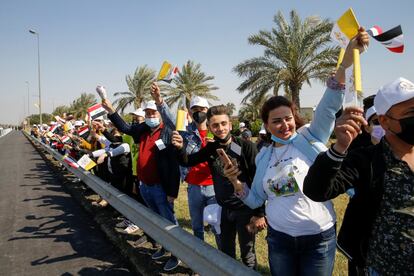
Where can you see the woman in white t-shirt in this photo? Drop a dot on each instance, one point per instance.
(301, 234)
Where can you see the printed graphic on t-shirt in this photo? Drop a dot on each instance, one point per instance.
(284, 183)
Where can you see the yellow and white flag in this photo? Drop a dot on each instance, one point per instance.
(86, 163)
(167, 72)
(345, 28)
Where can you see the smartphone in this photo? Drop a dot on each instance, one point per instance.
(224, 157)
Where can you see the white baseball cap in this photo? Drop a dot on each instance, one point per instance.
(79, 123)
(150, 105)
(393, 93)
(212, 215)
(370, 112)
(139, 112)
(242, 125)
(199, 101)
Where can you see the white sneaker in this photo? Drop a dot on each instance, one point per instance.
(131, 229)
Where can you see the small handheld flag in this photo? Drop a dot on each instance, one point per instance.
(86, 163)
(345, 28)
(96, 111)
(70, 161)
(391, 39)
(167, 72)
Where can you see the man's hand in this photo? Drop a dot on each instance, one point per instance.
(177, 140)
(156, 93)
(108, 106)
(98, 125)
(347, 128)
(170, 199)
(101, 159)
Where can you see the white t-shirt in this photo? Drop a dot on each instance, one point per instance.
(288, 210)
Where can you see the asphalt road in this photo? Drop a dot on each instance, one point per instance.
(43, 231)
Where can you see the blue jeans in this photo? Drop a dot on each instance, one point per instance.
(304, 255)
(156, 199)
(198, 198)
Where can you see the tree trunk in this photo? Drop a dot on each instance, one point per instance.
(295, 95)
(275, 91)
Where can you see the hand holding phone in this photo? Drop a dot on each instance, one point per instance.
(231, 170)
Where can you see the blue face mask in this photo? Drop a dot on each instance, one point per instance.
(152, 122)
(284, 142)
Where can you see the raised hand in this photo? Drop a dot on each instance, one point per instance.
(156, 93)
(347, 128)
(177, 140)
(108, 106)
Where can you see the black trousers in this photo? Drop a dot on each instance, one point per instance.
(232, 222)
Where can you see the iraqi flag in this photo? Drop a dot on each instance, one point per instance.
(391, 39)
(70, 162)
(96, 111)
(65, 139)
(53, 128)
(84, 132)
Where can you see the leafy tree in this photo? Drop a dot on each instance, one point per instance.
(139, 86)
(295, 53)
(60, 110)
(79, 106)
(190, 81)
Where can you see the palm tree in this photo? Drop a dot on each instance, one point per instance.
(79, 106)
(294, 53)
(59, 110)
(139, 89)
(231, 107)
(190, 82)
(250, 111)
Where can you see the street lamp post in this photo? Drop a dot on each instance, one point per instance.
(38, 70)
(28, 105)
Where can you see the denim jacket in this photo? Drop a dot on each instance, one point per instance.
(310, 141)
(191, 137)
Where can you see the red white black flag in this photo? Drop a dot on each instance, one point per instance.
(392, 39)
(84, 132)
(96, 111)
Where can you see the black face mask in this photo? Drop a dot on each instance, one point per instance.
(407, 130)
(224, 140)
(199, 117)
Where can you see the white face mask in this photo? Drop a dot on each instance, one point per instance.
(152, 122)
(377, 132)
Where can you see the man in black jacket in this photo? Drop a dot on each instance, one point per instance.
(157, 167)
(378, 228)
(235, 215)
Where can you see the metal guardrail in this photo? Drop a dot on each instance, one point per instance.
(5, 131)
(198, 255)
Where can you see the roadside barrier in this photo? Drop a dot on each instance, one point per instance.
(198, 255)
(5, 131)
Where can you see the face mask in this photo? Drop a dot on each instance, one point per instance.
(152, 122)
(284, 142)
(377, 133)
(407, 130)
(224, 140)
(199, 117)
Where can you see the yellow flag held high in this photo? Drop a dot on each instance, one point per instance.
(345, 28)
(167, 72)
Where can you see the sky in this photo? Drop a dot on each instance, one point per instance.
(86, 43)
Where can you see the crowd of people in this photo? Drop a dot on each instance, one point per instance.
(283, 182)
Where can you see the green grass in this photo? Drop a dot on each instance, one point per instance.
(183, 216)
